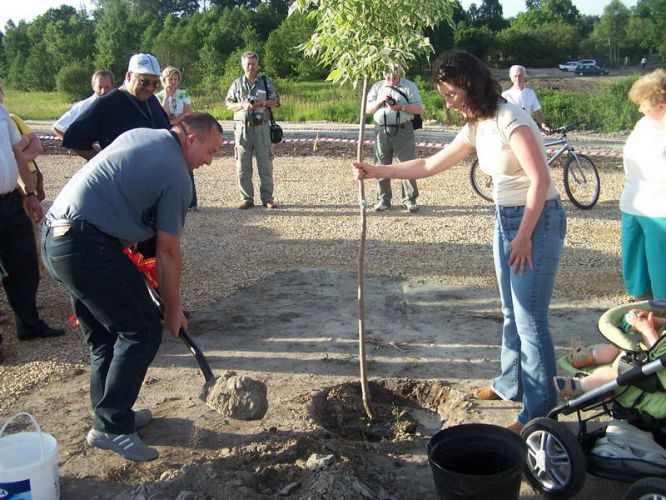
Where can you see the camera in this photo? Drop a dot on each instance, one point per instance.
(252, 100)
(390, 101)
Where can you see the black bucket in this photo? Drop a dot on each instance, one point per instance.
(477, 462)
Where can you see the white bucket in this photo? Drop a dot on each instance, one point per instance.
(28, 464)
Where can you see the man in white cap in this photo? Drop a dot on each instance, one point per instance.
(131, 106)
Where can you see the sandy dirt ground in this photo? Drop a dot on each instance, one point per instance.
(272, 295)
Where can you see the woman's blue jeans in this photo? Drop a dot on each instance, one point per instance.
(528, 355)
(115, 312)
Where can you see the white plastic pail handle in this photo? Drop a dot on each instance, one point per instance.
(34, 423)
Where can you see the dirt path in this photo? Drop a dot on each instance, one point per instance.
(273, 296)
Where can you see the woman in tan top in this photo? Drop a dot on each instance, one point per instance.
(530, 226)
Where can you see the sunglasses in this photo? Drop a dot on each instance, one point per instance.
(148, 83)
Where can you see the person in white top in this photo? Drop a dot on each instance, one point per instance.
(102, 83)
(19, 270)
(529, 230)
(643, 199)
(525, 97)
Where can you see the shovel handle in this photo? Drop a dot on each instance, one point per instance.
(201, 359)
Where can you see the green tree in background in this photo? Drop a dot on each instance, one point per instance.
(609, 35)
(476, 40)
(117, 39)
(541, 46)
(489, 14)
(281, 55)
(653, 12)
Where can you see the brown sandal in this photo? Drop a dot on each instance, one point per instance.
(567, 387)
(486, 394)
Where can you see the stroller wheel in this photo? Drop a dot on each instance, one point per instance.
(649, 488)
(555, 459)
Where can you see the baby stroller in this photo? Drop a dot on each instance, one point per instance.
(558, 459)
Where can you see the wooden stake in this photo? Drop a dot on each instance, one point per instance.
(365, 392)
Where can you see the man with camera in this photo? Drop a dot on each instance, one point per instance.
(249, 98)
(393, 102)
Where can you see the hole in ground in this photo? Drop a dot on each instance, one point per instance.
(402, 408)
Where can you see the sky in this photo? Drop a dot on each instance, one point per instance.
(29, 9)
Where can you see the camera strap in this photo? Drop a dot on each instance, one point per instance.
(270, 111)
(400, 92)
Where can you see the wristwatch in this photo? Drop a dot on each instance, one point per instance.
(32, 193)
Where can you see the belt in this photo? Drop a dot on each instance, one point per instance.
(254, 124)
(63, 222)
(5, 195)
(402, 125)
(82, 226)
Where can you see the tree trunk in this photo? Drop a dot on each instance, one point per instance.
(365, 393)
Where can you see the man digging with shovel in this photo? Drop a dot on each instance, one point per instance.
(135, 189)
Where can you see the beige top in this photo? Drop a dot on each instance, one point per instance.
(491, 137)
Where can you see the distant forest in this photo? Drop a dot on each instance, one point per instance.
(205, 38)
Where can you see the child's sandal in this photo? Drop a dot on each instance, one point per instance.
(567, 387)
(582, 356)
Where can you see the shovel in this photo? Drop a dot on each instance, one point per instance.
(191, 345)
(199, 356)
(147, 268)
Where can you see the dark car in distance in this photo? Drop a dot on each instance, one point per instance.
(593, 69)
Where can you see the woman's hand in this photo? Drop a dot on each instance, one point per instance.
(364, 171)
(521, 254)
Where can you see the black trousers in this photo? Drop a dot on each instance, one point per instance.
(19, 269)
(116, 314)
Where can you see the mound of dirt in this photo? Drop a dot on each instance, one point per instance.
(238, 396)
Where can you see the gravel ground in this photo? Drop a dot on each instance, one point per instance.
(317, 226)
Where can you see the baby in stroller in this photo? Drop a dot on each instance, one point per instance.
(631, 390)
(646, 323)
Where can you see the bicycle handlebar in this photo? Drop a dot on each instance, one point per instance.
(563, 130)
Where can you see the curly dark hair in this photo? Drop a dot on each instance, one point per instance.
(468, 72)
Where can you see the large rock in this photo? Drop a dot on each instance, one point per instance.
(238, 396)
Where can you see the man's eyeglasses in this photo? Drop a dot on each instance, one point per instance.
(148, 83)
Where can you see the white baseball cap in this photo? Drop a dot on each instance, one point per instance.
(144, 64)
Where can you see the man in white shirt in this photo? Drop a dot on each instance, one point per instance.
(525, 97)
(102, 83)
(19, 270)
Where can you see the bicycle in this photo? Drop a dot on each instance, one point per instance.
(580, 174)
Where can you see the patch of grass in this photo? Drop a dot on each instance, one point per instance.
(36, 105)
(607, 110)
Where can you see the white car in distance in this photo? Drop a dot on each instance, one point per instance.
(572, 65)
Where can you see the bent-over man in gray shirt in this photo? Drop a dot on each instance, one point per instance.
(135, 189)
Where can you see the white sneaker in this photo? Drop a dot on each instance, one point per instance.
(128, 446)
(382, 206)
(412, 206)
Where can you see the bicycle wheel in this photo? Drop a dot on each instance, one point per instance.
(581, 181)
(481, 182)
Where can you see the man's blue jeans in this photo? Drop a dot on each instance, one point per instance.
(528, 355)
(116, 314)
